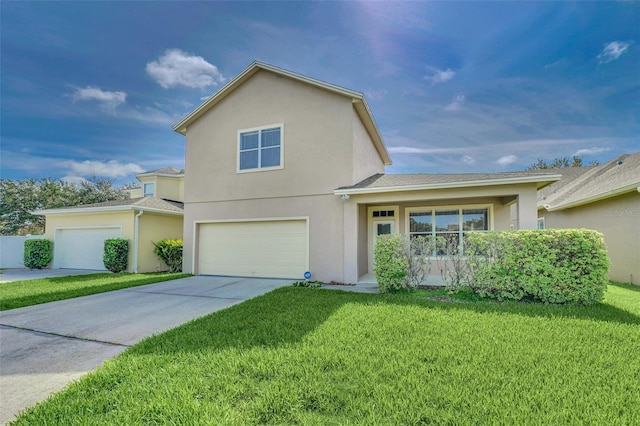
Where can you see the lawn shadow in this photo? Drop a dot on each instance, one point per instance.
(598, 312)
(280, 317)
(285, 316)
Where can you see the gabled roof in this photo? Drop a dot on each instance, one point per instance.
(165, 171)
(147, 204)
(422, 181)
(584, 185)
(359, 102)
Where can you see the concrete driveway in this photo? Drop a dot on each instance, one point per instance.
(45, 347)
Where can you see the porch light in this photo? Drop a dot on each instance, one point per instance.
(345, 197)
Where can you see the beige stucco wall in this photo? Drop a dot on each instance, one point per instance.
(124, 219)
(317, 141)
(325, 227)
(618, 219)
(169, 188)
(366, 160)
(153, 228)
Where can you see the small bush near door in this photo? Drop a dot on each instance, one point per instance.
(116, 254)
(170, 252)
(391, 264)
(37, 253)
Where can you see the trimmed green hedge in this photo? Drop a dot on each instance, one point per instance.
(170, 252)
(116, 254)
(391, 262)
(549, 266)
(37, 253)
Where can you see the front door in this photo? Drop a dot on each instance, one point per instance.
(380, 227)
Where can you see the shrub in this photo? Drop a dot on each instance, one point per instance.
(116, 254)
(37, 253)
(418, 253)
(391, 262)
(170, 252)
(307, 283)
(455, 268)
(550, 266)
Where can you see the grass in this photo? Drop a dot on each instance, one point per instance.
(18, 294)
(319, 357)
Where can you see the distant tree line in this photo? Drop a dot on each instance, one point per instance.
(561, 162)
(18, 198)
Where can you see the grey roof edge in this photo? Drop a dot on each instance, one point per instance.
(162, 206)
(597, 183)
(542, 179)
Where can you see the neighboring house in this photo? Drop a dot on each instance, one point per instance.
(285, 174)
(78, 233)
(605, 198)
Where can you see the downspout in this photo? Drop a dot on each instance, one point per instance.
(136, 231)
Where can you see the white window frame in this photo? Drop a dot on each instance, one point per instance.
(153, 189)
(460, 208)
(259, 129)
(541, 224)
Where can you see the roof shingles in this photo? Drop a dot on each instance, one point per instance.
(583, 184)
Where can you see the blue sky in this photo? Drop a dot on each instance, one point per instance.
(93, 88)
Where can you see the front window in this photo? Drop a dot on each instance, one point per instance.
(260, 149)
(450, 224)
(149, 189)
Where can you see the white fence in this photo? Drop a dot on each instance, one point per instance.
(12, 250)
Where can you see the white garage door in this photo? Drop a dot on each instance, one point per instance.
(269, 249)
(82, 248)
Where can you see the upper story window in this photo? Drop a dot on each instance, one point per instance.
(149, 189)
(260, 148)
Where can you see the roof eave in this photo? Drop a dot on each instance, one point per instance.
(448, 185)
(593, 199)
(181, 175)
(181, 126)
(362, 108)
(107, 209)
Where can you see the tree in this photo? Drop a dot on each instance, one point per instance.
(560, 162)
(21, 197)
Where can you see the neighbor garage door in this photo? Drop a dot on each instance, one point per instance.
(82, 248)
(270, 249)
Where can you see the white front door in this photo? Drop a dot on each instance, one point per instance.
(380, 227)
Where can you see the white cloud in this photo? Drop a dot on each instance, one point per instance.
(375, 94)
(612, 51)
(590, 151)
(467, 159)
(108, 99)
(438, 76)
(413, 150)
(456, 103)
(178, 68)
(506, 160)
(110, 169)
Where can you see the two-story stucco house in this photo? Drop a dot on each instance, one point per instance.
(286, 174)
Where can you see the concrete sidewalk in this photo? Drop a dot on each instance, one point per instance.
(47, 346)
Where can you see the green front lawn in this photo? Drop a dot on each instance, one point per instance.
(313, 356)
(33, 292)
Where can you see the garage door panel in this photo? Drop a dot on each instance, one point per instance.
(82, 248)
(276, 249)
